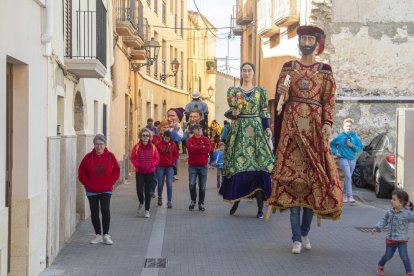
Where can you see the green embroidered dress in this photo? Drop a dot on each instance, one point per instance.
(248, 158)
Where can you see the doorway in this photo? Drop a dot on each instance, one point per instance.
(9, 150)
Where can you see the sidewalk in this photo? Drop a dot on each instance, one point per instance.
(215, 243)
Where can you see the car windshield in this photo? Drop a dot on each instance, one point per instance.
(389, 143)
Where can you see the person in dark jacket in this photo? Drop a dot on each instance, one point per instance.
(98, 172)
(225, 131)
(144, 157)
(198, 147)
(165, 170)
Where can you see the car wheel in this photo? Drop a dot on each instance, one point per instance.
(357, 178)
(380, 190)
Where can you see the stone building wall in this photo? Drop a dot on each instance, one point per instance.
(369, 46)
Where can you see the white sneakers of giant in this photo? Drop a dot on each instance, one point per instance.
(139, 210)
(147, 214)
(297, 247)
(97, 239)
(306, 243)
(107, 239)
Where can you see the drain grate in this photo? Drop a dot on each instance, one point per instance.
(155, 263)
(364, 229)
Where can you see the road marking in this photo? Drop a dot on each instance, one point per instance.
(154, 248)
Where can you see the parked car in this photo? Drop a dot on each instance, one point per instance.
(376, 166)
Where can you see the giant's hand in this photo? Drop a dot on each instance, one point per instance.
(326, 130)
(268, 133)
(282, 89)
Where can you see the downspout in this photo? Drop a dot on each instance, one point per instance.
(47, 36)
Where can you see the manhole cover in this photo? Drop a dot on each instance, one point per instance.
(155, 263)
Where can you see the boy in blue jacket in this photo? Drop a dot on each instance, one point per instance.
(218, 160)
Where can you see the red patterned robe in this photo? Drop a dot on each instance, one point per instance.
(306, 174)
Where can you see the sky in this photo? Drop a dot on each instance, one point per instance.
(218, 12)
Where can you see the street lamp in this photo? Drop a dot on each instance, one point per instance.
(152, 48)
(210, 91)
(174, 68)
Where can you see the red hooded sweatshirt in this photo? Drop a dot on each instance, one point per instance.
(145, 157)
(98, 173)
(198, 149)
(168, 153)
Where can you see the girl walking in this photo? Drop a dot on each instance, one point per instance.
(397, 218)
(144, 157)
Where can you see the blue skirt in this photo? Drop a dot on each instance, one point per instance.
(246, 184)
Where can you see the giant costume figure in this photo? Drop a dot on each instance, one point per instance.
(305, 173)
(248, 158)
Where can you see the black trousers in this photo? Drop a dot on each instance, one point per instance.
(144, 183)
(104, 201)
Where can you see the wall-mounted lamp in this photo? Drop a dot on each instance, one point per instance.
(210, 91)
(175, 65)
(152, 48)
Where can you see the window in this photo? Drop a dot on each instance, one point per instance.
(164, 12)
(156, 6)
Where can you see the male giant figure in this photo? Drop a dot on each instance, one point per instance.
(306, 175)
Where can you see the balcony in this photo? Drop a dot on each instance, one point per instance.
(245, 10)
(287, 12)
(137, 55)
(130, 22)
(236, 29)
(85, 38)
(265, 26)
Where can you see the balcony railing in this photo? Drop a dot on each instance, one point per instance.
(130, 22)
(156, 70)
(265, 26)
(164, 12)
(287, 12)
(85, 33)
(244, 11)
(236, 29)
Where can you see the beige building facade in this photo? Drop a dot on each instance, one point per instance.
(223, 82)
(160, 86)
(202, 64)
(57, 98)
(367, 45)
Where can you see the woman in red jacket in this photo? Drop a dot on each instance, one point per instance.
(144, 157)
(165, 170)
(98, 172)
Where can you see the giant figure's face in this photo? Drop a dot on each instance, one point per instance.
(307, 44)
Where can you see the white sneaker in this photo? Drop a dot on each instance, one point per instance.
(306, 243)
(297, 247)
(107, 239)
(97, 239)
(345, 200)
(351, 199)
(147, 214)
(139, 211)
(176, 177)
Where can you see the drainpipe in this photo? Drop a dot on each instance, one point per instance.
(47, 36)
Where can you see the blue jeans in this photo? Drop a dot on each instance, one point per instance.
(348, 167)
(402, 249)
(300, 229)
(201, 173)
(166, 173)
(154, 184)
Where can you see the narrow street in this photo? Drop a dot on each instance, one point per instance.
(215, 243)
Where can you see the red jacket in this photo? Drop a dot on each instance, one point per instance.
(198, 149)
(98, 173)
(168, 153)
(156, 139)
(145, 157)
